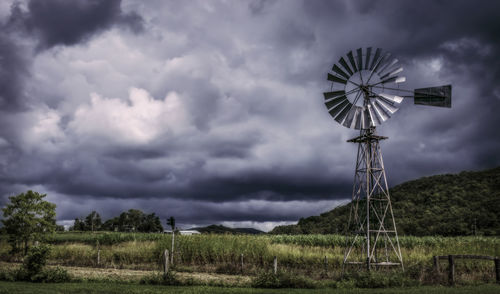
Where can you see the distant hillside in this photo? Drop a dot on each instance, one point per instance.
(220, 229)
(448, 205)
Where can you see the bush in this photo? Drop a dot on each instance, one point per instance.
(161, 279)
(35, 260)
(55, 275)
(377, 280)
(282, 280)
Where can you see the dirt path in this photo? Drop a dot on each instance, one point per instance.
(99, 274)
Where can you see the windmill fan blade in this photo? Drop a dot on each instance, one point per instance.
(333, 94)
(433, 96)
(373, 118)
(343, 114)
(392, 80)
(382, 62)
(387, 65)
(360, 58)
(400, 80)
(392, 98)
(379, 112)
(351, 60)
(386, 106)
(391, 73)
(346, 67)
(375, 58)
(337, 69)
(357, 117)
(350, 116)
(335, 111)
(336, 79)
(367, 60)
(334, 102)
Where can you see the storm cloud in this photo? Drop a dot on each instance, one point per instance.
(212, 111)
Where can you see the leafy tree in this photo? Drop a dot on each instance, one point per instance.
(78, 225)
(28, 218)
(134, 220)
(93, 222)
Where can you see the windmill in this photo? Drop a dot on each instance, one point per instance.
(365, 91)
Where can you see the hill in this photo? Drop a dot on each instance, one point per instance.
(467, 203)
(220, 229)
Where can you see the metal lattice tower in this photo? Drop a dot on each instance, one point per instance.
(365, 93)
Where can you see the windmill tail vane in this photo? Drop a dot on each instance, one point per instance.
(365, 91)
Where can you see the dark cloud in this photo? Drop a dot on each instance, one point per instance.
(59, 22)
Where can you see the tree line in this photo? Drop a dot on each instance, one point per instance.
(133, 220)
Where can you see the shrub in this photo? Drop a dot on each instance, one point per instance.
(55, 275)
(282, 280)
(34, 261)
(161, 279)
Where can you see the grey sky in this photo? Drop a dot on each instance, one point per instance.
(212, 111)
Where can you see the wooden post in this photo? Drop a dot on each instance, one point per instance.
(98, 257)
(165, 262)
(326, 265)
(497, 269)
(275, 265)
(451, 268)
(241, 263)
(172, 256)
(436, 263)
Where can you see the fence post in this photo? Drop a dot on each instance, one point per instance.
(275, 265)
(497, 269)
(98, 257)
(451, 276)
(436, 263)
(165, 262)
(326, 265)
(241, 263)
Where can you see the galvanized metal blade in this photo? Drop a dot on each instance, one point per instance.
(350, 116)
(343, 113)
(337, 109)
(373, 118)
(375, 58)
(368, 56)
(335, 101)
(336, 79)
(386, 106)
(357, 117)
(380, 113)
(359, 58)
(351, 60)
(393, 98)
(339, 71)
(333, 94)
(345, 65)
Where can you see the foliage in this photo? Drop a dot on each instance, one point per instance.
(27, 218)
(282, 279)
(158, 278)
(92, 222)
(134, 220)
(448, 205)
(36, 259)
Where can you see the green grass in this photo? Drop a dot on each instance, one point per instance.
(112, 288)
(302, 253)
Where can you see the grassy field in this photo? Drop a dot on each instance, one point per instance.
(301, 254)
(112, 288)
